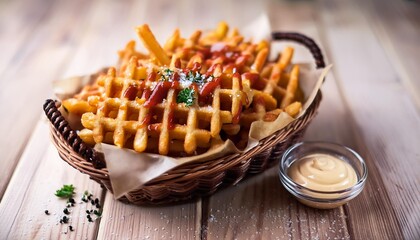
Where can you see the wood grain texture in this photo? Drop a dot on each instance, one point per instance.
(39, 59)
(39, 174)
(397, 27)
(124, 221)
(387, 125)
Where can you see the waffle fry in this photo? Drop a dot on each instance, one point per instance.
(189, 95)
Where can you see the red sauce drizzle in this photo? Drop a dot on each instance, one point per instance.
(175, 76)
(252, 77)
(237, 116)
(237, 75)
(175, 85)
(194, 87)
(151, 77)
(130, 93)
(205, 52)
(159, 92)
(146, 93)
(178, 63)
(209, 87)
(147, 119)
(196, 67)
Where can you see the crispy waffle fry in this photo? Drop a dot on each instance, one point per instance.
(197, 92)
(139, 112)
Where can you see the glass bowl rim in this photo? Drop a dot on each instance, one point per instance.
(292, 185)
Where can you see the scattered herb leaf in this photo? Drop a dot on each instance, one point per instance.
(97, 213)
(66, 191)
(186, 96)
(166, 74)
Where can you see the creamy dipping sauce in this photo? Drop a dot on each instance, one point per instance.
(323, 172)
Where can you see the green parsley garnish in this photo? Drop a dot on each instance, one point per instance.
(190, 76)
(198, 78)
(97, 213)
(186, 96)
(166, 74)
(66, 191)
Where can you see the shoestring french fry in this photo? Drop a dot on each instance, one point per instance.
(152, 45)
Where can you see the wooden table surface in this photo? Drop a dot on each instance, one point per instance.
(371, 103)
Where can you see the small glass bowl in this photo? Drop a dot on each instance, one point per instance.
(322, 199)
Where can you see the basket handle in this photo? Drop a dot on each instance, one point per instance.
(304, 40)
(70, 136)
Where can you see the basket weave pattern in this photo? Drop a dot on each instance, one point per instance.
(193, 179)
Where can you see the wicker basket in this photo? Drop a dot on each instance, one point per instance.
(190, 180)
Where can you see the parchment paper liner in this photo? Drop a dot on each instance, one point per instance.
(130, 170)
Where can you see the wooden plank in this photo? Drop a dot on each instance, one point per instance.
(216, 11)
(31, 191)
(124, 221)
(111, 25)
(35, 65)
(385, 124)
(14, 34)
(397, 26)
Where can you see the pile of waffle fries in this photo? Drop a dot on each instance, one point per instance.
(189, 95)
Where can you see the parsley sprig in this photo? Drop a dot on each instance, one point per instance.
(196, 77)
(166, 74)
(186, 96)
(66, 191)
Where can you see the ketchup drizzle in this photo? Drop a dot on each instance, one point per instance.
(159, 92)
